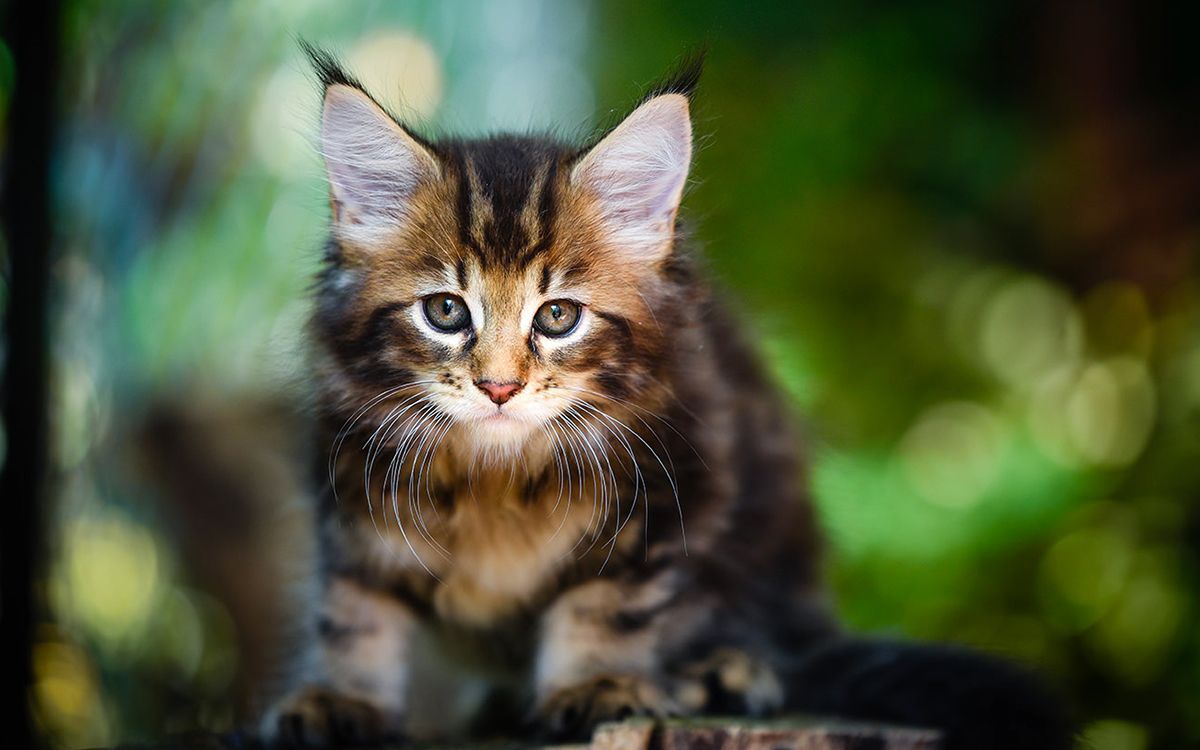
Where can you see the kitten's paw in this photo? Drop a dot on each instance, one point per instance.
(737, 682)
(318, 717)
(572, 713)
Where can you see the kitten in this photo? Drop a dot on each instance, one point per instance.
(552, 447)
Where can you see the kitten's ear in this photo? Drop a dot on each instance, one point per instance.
(637, 174)
(374, 165)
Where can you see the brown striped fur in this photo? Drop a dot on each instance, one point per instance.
(634, 537)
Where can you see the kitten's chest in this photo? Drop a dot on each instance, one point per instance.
(489, 546)
(506, 547)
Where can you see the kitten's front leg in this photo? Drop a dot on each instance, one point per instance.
(352, 688)
(602, 651)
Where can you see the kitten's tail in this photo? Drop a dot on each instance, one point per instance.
(978, 702)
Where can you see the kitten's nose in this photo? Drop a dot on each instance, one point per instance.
(499, 393)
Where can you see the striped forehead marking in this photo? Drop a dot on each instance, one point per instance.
(506, 200)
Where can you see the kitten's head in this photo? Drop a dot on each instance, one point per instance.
(495, 284)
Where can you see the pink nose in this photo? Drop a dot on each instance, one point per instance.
(499, 393)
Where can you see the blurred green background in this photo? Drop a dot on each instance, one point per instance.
(965, 232)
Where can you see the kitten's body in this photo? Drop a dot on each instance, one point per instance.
(629, 534)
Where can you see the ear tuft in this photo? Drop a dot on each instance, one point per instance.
(637, 174)
(684, 79)
(329, 71)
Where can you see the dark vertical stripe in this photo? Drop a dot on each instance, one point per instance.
(464, 203)
(546, 209)
(507, 234)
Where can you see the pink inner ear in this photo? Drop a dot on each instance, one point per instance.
(656, 200)
(373, 165)
(638, 173)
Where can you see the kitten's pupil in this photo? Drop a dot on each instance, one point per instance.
(447, 307)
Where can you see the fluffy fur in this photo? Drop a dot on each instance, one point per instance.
(627, 534)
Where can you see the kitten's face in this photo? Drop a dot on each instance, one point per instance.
(500, 287)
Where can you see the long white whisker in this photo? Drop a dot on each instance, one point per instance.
(393, 469)
(599, 500)
(348, 426)
(668, 473)
(370, 503)
(586, 425)
(418, 470)
(638, 482)
(665, 422)
(448, 425)
(558, 468)
(567, 465)
(375, 443)
(661, 443)
(571, 436)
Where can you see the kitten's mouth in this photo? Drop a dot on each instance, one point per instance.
(499, 429)
(500, 415)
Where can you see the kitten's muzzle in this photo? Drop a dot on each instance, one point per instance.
(499, 393)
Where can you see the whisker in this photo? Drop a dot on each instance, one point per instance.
(638, 482)
(666, 422)
(393, 469)
(558, 469)
(586, 424)
(370, 504)
(599, 500)
(419, 467)
(348, 426)
(571, 436)
(653, 432)
(447, 425)
(669, 473)
(374, 444)
(566, 464)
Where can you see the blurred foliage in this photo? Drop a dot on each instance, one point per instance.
(970, 269)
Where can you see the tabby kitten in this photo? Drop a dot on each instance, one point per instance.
(551, 447)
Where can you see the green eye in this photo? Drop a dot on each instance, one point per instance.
(557, 317)
(447, 312)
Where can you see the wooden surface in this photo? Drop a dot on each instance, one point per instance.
(717, 734)
(687, 734)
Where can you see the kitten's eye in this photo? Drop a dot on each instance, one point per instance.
(557, 317)
(447, 312)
